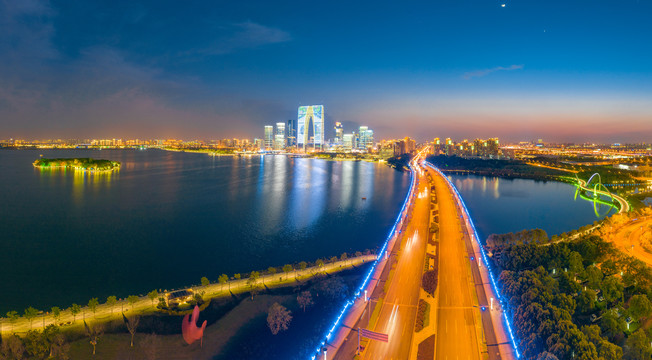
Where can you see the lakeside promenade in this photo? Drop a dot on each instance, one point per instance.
(144, 306)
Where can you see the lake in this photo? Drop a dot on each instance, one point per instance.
(168, 218)
(499, 205)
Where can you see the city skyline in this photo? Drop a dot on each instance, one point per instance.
(580, 72)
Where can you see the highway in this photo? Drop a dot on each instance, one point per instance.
(456, 328)
(398, 313)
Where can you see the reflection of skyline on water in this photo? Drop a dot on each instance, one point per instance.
(233, 214)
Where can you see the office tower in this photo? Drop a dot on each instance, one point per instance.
(279, 138)
(339, 131)
(269, 137)
(292, 133)
(310, 118)
(366, 137)
(348, 141)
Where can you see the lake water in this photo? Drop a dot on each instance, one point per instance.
(168, 218)
(499, 205)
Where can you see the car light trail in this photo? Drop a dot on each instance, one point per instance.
(482, 252)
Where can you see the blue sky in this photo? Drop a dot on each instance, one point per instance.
(557, 70)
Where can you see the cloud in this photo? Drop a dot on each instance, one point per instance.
(485, 72)
(246, 35)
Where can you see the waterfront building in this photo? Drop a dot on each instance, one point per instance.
(279, 138)
(339, 133)
(292, 133)
(366, 138)
(348, 141)
(310, 118)
(269, 137)
(259, 144)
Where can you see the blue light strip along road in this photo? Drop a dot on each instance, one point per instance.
(364, 283)
(484, 259)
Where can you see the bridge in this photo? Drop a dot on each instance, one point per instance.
(466, 319)
(598, 189)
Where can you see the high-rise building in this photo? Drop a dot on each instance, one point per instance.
(366, 138)
(310, 117)
(339, 131)
(279, 138)
(348, 141)
(292, 133)
(269, 137)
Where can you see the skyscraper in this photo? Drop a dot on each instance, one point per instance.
(292, 133)
(279, 138)
(366, 138)
(269, 137)
(339, 131)
(310, 115)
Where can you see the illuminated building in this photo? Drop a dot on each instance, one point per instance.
(339, 132)
(292, 133)
(310, 117)
(279, 138)
(348, 141)
(366, 138)
(269, 137)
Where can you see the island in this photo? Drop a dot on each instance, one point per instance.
(83, 164)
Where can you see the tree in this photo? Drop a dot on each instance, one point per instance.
(74, 310)
(586, 301)
(56, 313)
(575, 263)
(637, 347)
(253, 286)
(36, 345)
(271, 270)
(333, 259)
(254, 275)
(92, 305)
(278, 318)
(132, 324)
(12, 347)
(204, 281)
(287, 268)
(149, 345)
(303, 265)
(223, 279)
(237, 276)
(305, 300)
(343, 257)
(358, 254)
(152, 295)
(611, 325)
(30, 314)
(640, 306)
(319, 262)
(93, 332)
(111, 301)
(132, 300)
(594, 277)
(12, 316)
(612, 288)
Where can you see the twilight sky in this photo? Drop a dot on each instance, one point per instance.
(577, 70)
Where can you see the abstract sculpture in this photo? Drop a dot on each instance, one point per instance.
(191, 332)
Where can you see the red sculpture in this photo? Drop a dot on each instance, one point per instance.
(191, 332)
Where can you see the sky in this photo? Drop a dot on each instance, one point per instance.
(562, 71)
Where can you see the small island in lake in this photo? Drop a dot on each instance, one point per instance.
(85, 164)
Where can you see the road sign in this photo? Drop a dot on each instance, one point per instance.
(374, 335)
